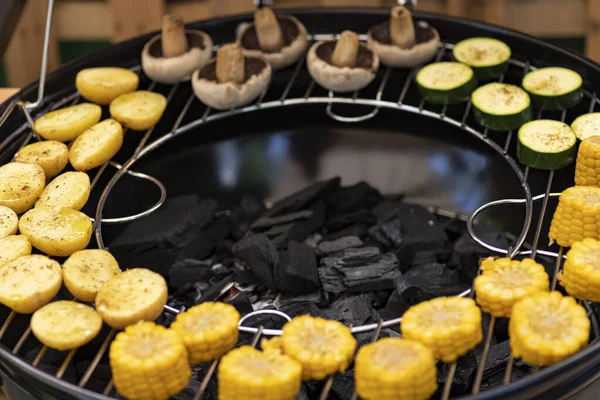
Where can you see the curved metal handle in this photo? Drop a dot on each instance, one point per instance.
(341, 118)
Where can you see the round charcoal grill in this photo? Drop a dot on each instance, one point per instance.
(297, 133)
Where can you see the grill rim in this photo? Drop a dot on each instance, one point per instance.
(532, 386)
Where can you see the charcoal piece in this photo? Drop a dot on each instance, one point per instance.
(99, 378)
(389, 233)
(358, 196)
(278, 230)
(188, 270)
(216, 290)
(241, 302)
(427, 275)
(466, 367)
(386, 210)
(303, 395)
(303, 198)
(353, 257)
(205, 243)
(351, 309)
(198, 374)
(359, 230)
(244, 280)
(380, 298)
(414, 295)
(286, 299)
(343, 243)
(260, 255)
(267, 222)
(301, 229)
(497, 358)
(351, 218)
(394, 308)
(252, 207)
(296, 309)
(296, 271)
(343, 385)
(467, 253)
(187, 294)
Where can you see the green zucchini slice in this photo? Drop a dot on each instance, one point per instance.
(586, 125)
(446, 82)
(553, 88)
(546, 144)
(500, 106)
(486, 56)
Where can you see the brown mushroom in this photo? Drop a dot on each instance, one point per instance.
(231, 79)
(344, 65)
(400, 42)
(176, 53)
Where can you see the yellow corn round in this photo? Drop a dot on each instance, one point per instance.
(449, 326)
(581, 273)
(246, 373)
(577, 216)
(208, 330)
(149, 362)
(547, 327)
(323, 347)
(393, 368)
(503, 282)
(273, 343)
(587, 166)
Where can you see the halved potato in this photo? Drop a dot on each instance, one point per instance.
(13, 247)
(20, 185)
(67, 123)
(139, 110)
(70, 190)
(56, 231)
(51, 155)
(65, 325)
(97, 145)
(29, 282)
(134, 295)
(104, 84)
(9, 222)
(86, 271)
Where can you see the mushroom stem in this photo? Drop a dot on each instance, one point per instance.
(230, 64)
(268, 31)
(402, 30)
(174, 42)
(346, 50)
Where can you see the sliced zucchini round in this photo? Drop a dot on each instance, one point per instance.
(446, 82)
(546, 144)
(553, 88)
(486, 56)
(586, 125)
(500, 106)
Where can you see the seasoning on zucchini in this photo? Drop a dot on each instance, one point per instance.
(546, 144)
(446, 82)
(586, 125)
(553, 88)
(581, 273)
(486, 56)
(577, 216)
(500, 106)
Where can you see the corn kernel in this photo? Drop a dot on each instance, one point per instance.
(587, 166)
(575, 204)
(581, 273)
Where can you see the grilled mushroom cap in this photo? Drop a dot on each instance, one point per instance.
(400, 43)
(231, 79)
(281, 41)
(176, 53)
(344, 65)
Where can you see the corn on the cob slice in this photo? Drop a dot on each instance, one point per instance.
(547, 327)
(581, 273)
(503, 282)
(149, 362)
(323, 347)
(208, 330)
(587, 166)
(246, 373)
(449, 326)
(393, 368)
(577, 216)
(273, 343)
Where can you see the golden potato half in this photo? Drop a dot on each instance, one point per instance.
(9, 222)
(29, 282)
(67, 123)
(56, 231)
(70, 190)
(86, 271)
(139, 110)
(13, 247)
(51, 155)
(104, 84)
(97, 145)
(20, 185)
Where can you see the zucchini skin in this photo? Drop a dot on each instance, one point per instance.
(556, 103)
(490, 72)
(545, 161)
(502, 122)
(452, 96)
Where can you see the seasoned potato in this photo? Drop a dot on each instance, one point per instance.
(65, 325)
(86, 271)
(56, 231)
(103, 85)
(70, 190)
(139, 110)
(51, 155)
(20, 185)
(9, 222)
(97, 145)
(13, 247)
(29, 282)
(67, 123)
(134, 295)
